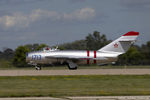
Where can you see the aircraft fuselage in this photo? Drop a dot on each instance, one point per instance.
(106, 54)
(84, 57)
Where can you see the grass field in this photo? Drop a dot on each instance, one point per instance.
(59, 86)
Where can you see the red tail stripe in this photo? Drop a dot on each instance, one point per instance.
(131, 33)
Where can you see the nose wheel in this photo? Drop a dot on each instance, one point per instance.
(38, 67)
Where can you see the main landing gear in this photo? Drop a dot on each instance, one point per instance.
(71, 65)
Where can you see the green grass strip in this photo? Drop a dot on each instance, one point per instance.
(84, 85)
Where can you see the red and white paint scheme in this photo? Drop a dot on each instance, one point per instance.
(107, 54)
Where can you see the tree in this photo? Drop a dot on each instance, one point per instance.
(35, 47)
(131, 57)
(96, 41)
(41, 46)
(76, 45)
(92, 42)
(20, 56)
(145, 51)
(7, 54)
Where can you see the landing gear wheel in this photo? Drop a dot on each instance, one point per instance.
(73, 68)
(38, 67)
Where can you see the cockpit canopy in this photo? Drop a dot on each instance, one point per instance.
(49, 49)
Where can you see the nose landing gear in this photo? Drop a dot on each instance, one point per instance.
(38, 67)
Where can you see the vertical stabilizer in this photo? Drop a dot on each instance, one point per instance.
(122, 44)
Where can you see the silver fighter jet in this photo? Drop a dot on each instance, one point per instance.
(107, 54)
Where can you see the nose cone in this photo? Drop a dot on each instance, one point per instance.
(27, 54)
(28, 58)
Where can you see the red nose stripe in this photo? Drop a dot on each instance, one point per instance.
(131, 33)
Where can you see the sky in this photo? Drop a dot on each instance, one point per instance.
(56, 22)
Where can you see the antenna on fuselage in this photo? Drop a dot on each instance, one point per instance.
(56, 47)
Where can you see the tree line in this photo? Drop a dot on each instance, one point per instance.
(136, 55)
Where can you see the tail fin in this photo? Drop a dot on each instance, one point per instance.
(122, 44)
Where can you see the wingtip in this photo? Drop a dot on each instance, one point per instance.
(131, 33)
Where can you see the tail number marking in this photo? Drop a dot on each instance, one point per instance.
(36, 57)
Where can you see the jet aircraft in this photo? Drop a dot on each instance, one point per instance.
(107, 54)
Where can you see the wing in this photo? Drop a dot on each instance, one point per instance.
(69, 59)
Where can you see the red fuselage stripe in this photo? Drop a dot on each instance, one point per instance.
(88, 54)
(94, 57)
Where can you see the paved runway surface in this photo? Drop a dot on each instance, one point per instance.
(75, 72)
(83, 98)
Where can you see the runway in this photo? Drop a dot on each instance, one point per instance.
(83, 98)
(75, 72)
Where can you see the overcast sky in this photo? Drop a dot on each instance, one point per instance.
(60, 21)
